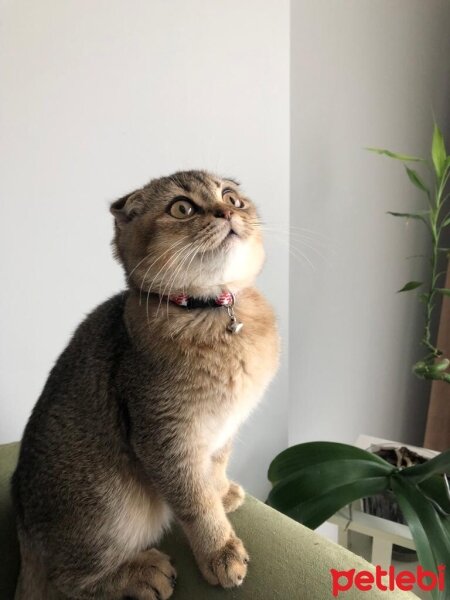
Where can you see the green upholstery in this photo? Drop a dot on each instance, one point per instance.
(288, 561)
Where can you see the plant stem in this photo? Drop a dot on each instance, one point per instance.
(436, 230)
(426, 341)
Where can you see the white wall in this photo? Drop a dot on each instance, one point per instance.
(96, 98)
(363, 73)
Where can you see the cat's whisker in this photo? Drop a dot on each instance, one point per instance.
(306, 243)
(319, 254)
(296, 235)
(172, 278)
(165, 271)
(300, 256)
(190, 255)
(297, 232)
(296, 228)
(172, 275)
(294, 252)
(168, 263)
(170, 260)
(203, 243)
(174, 265)
(139, 263)
(151, 264)
(156, 260)
(301, 241)
(187, 270)
(169, 274)
(203, 255)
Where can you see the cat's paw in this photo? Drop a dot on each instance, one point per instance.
(234, 497)
(153, 577)
(228, 566)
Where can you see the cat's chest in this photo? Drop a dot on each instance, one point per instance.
(219, 428)
(235, 388)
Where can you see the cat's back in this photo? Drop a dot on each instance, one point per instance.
(76, 422)
(84, 368)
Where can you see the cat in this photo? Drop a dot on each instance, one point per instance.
(134, 426)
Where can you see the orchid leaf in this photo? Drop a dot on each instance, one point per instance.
(309, 454)
(311, 481)
(439, 465)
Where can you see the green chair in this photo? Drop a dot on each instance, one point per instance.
(288, 561)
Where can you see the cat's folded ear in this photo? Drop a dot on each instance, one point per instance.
(126, 208)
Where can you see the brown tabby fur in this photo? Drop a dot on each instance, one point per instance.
(135, 422)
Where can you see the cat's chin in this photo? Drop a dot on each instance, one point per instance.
(231, 239)
(233, 268)
(244, 259)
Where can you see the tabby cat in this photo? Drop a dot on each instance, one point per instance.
(135, 423)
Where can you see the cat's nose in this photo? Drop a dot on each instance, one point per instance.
(224, 214)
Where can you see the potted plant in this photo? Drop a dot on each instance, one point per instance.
(313, 481)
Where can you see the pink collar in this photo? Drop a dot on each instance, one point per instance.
(225, 298)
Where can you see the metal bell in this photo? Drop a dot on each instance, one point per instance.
(235, 326)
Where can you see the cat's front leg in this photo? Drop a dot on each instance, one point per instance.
(191, 492)
(232, 494)
(220, 554)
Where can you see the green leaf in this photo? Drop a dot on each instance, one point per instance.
(443, 291)
(430, 371)
(446, 222)
(420, 216)
(436, 490)
(420, 537)
(438, 153)
(446, 524)
(411, 285)
(443, 364)
(439, 465)
(402, 157)
(297, 457)
(315, 480)
(317, 510)
(416, 179)
(431, 368)
(427, 527)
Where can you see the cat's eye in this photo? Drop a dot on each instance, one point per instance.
(182, 209)
(231, 198)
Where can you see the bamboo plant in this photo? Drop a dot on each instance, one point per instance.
(436, 218)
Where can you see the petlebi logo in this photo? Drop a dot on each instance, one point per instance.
(387, 580)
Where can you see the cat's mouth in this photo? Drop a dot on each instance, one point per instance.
(230, 238)
(227, 236)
